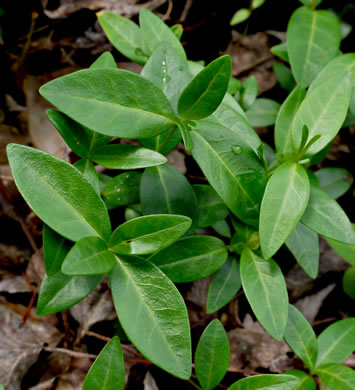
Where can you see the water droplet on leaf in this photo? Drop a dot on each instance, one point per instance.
(236, 149)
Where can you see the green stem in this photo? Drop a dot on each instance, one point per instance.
(314, 4)
(194, 385)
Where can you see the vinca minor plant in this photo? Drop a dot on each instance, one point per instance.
(257, 198)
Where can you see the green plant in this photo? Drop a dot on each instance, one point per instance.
(265, 198)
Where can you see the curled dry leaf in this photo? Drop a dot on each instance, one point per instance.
(252, 347)
(20, 347)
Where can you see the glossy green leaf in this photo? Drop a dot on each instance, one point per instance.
(306, 381)
(105, 61)
(80, 139)
(284, 120)
(231, 167)
(284, 76)
(156, 31)
(345, 251)
(205, 92)
(148, 234)
(240, 16)
(164, 190)
(59, 292)
(323, 111)
(168, 71)
(234, 85)
(123, 190)
(300, 337)
(211, 207)
(337, 377)
(313, 39)
(55, 248)
(125, 156)
(191, 258)
(164, 142)
(265, 288)
(263, 112)
(233, 118)
(222, 228)
(212, 355)
(303, 244)
(89, 256)
(224, 285)
(112, 101)
(58, 194)
(257, 3)
(337, 342)
(284, 202)
(249, 92)
(158, 325)
(125, 36)
(266, 382)
(343, 64)
(349, 282)
(334, 181)
(324, 215)
(88, 170)
(108, 370)
(280, 51)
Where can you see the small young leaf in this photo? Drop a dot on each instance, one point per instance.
(105, 61)
(60, 292)
(310, 2)
(55, 248)
(300, 337)
(239, 179)
(89, 172)
(240, 16)
(337, 342)
(191, 258)
(164, 190)
(266, 382)
(306, 381)
(345, 251)
(249, 92)
(112, 101)
(324, 215)
(145, 235)
(108, 370)
(80, 139)
(334, 181)
(125, 36)
(280, 50)
(178, 30)
(222, 228)
(257, 3)
(211, 207)
(313, 39)
(284, 120)
(284, 202)
(349, 282)
(284, 76)
(336, 376)
(205, 92)
(168, 71)
(265, 288)
(58, 194)
(212, 355)
(303, 244)
(123, 190)
(153, 314)
(263, 112)
(89, 256)
(224, 285)
(125, 156)
(156, 31)
(164, 142)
